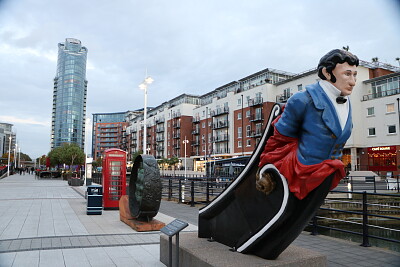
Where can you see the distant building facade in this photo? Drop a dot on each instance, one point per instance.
(69, 95)
(109, 131)
(229, 121)
(5, 134)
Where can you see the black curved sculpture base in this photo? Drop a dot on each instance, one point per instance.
(145, 188)
(250, 221)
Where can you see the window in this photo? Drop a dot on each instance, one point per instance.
(247, 113)
(299, 87)
(239, 143)
(391, 129)
(204, 125)
(248, 130)
(370, 111)
(239, 116)
(239, 101)
(248, 142)
(371, 131)
(239, 132)
(390, 108)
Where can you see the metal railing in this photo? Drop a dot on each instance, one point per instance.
(354, 212)
(343, 209)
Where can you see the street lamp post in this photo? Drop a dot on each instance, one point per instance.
(15, 155)
(185, 142)
(9, 154)
(143, 86)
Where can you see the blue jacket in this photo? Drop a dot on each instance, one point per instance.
(311, 117)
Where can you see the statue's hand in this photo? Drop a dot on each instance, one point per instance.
(264, 182)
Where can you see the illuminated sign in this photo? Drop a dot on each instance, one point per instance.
(382, 149)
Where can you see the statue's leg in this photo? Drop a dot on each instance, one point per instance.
(296, 217)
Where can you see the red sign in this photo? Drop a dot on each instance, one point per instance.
(382, 149)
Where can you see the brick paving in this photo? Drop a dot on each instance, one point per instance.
(44, 223)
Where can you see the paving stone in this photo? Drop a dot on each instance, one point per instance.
(26, 244)
(56, 242)
(46, 243)
(4, 245)
(36, 243)
(15, 245)
(65, 242)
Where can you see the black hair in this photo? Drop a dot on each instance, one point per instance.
(334, 57)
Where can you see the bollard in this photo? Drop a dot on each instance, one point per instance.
(365, 242)
(207, 191)
(314, 226)
(180, 191)
(192, 193)
(169, 189)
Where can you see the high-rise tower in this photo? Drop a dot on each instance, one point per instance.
(69, 95)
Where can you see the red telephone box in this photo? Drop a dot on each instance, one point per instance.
(114, 177)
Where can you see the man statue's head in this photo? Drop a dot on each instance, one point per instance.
(339, 67)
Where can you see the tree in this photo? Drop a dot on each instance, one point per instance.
(69, 154)
(55, 157)
(25, 157)
(173, 161)
(72, 154)
(42, 160)
(98, 162)
(5, 158)
(137, 153)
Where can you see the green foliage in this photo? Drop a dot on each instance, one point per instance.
(69, 154)
(172, 161)
(137, 153)
(4, 159)
(98, 162)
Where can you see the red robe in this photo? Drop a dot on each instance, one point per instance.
(281, 151)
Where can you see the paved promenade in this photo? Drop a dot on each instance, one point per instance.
(44, 223)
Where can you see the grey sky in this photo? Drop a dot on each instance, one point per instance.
(187, 46)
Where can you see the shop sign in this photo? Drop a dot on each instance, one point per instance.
(382, 149)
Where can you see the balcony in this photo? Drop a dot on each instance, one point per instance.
(256, 117)
(160, 120)
(219, 111)
(160, 148)
(381, 94)
(176, 136)
(224, 150)
(220, 124)
(221, 138)
(195, 143)
(255, 101)
(283, 98)
(176, 115)
(160, 139)
(160, 129)
(176, 125)
(196, 131)
(255, 134)
(177, 146)
(196, 119)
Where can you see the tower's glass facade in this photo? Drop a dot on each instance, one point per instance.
(69, 95)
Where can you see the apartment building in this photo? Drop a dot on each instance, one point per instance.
(229, 121)
(108, 132)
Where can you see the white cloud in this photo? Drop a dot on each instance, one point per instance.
(12, 119)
